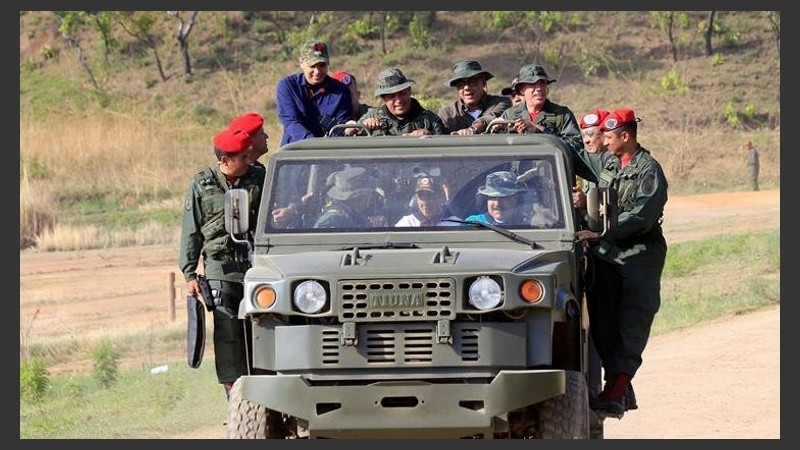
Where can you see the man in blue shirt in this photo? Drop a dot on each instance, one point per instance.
(310, 103)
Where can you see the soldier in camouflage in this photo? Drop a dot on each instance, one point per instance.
(628, 260)
(401, 115)
(536, 113)
(203, 234)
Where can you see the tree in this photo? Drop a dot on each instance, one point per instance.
(665, 21)
(774, 18)
(70, 24)
(140, 24)
(709, 33)
(183, 37)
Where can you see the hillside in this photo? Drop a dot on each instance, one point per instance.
(120, 154)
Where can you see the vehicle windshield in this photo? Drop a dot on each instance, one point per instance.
(436, 193)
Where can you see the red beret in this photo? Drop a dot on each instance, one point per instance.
(343, 77)
(250, 123)
(618, 118)
(232, 141)
(593, 118)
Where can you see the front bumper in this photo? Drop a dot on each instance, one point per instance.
(403, 409)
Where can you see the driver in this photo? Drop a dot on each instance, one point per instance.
(503, 200)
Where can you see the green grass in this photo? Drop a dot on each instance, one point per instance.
(702, 281)
(140, 405)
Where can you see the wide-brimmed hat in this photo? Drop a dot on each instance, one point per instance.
(508, 90)
(531, 74)
(468, 69)
(500, 184)
(392, 80)
(352, 182)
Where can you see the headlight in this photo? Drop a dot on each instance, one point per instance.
(310, 297)
(485, 293)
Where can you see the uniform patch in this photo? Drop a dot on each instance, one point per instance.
(649, 184)
(187, 205)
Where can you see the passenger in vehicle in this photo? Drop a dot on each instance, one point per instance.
(503, 200)
(355, 201)
(428, 205)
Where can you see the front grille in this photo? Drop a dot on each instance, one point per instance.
(403, 344)
(396, 300)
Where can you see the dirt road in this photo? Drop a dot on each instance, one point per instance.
(717, 380)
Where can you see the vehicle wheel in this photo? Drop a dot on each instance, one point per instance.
(248, 420)
(566, 416)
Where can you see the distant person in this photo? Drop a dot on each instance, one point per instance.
(628, 260)
(752, 164)
(502, 199)
(537, 113)
(430, 199)
(310, 103)
(474, 108)
(511, 93)
(355, 201)
(401, 114)
(349, 80)
(203, 237)
(252, 123)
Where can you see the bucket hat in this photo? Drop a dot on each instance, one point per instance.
(352, 182)
(532, 73)
(500, 184)
(508, 90)
(467, 69)
(392, 80)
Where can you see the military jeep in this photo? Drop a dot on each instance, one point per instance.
(365, 329)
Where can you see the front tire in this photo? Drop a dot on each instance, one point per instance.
(566, 416)
(248, 420)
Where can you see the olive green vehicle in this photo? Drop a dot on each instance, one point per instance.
(365, 329)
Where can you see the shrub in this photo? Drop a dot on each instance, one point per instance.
(34, 379)
(106, 364)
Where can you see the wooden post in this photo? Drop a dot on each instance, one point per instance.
(171, 278)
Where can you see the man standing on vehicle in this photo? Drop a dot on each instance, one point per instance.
(628, 260)
(537, 113)
(224, 261)
(401, 114)
(310, 103)
(475, 107)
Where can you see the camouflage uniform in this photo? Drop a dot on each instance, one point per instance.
(418, 117)
(203, 233)
(456, 117)
(628, 260)
(554, 118)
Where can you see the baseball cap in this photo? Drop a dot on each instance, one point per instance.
(314, 51)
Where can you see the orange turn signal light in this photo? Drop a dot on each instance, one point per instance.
(265, 297)
(532, 291)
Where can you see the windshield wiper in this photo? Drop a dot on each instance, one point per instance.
(384, 245)
(507, 233)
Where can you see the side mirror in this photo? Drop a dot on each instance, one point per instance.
(601, 209)
(237, 211)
